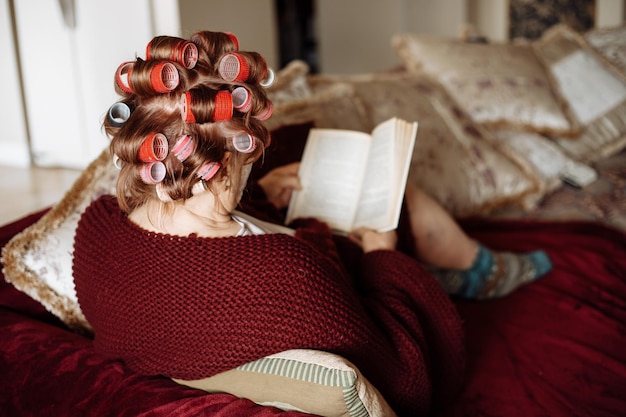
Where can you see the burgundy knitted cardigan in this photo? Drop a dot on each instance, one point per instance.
(190, 307)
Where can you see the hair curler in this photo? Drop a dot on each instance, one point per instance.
(152, 172)
(184, 147)
(233, 67)
(164, 77)
(153, 148)
(201, 99)
(118, 114)
(208, 170)
(243, 142)
(173, 49)
(265, 113)
(269, 78)
(242, 100)
(122, 76)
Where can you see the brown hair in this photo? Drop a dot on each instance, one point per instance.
(155, 95)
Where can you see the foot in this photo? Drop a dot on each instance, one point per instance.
(494, 274)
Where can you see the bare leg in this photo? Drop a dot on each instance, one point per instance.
(439, 241)
(461, 265)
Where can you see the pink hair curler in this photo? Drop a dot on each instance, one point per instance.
(122, 77)
(153, 148)
(152, 172)
(184, 147)
(164, 77)
(266, 113)
(234, 67)
(208, 170)
(242, 100)
(244, 142)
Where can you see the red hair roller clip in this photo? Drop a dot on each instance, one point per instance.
(223, 106)
(234, 67)
(183, 52)
(153, 148)
(164, 77)
(185, 108)
(122, 77)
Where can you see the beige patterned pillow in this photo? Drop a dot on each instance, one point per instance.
(337, 106)
(594, 90)
(498, 85)
(611, 44)
(38, 261)
(290, 83)
(455, 161)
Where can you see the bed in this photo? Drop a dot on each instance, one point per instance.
(555, 347)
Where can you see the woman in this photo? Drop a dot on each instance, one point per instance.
(176, 281)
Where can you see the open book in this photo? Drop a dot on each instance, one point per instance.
(352, 179)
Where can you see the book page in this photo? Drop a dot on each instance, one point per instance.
(378, 182)
(331, 174)
(385, 178)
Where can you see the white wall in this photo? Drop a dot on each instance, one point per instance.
(253, 21)
(355, 35)
(13, 136)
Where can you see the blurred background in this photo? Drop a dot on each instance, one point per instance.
(59, 56)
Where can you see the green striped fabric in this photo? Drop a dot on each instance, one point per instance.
(313, 373)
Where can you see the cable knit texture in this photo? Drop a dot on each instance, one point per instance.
(190, 307)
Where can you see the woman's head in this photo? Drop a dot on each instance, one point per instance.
(190, 115)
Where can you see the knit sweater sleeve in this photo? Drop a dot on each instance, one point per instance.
(395, 285)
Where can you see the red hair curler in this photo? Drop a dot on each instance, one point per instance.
(153, 148)
(122, 77)
(223, 106)
(185, 108)
(233, 67)
(178, 50)
(164, 77)
(221, 110)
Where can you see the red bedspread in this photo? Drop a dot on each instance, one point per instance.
(556, 347)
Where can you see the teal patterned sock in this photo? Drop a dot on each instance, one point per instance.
(494, 274)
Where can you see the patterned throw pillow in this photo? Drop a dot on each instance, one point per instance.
(594, 90)
(312, 381)
(459, 164)
(500, 86)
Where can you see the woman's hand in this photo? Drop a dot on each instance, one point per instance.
(279, 183)
(371, 240)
